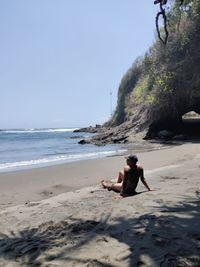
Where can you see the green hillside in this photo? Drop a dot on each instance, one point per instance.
(165, 84)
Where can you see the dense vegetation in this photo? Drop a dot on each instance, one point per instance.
(165, 84)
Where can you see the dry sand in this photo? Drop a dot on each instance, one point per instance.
(60, 215)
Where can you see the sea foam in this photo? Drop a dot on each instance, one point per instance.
(58, 159)
(16, 131)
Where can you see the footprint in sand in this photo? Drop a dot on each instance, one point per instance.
(46, 193)
(31, 204)
(159, 201)
(170, 177)
(58, 186)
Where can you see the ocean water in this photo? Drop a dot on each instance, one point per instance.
(30, 148)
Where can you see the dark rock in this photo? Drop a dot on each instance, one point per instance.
(83, 142)
(98, 126)
(149, 135)
(179, 137)
(75, 137)
(165, 134)
(119, 139)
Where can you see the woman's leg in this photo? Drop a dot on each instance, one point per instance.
(112, 186)
(117, 187)
(120, 177)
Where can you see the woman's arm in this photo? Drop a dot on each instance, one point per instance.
(143, 179)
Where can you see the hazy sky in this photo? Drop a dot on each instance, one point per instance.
(60, 59)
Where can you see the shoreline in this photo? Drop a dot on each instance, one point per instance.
(36, 184)
(140, 146)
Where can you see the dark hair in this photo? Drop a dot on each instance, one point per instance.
(132, 158)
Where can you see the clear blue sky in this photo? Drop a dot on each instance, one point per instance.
(59, 59)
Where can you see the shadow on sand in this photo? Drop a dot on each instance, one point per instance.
(171, 238)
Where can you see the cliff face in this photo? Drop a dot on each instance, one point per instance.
(164, 85)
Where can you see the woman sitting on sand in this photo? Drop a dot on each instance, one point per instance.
(128, 178)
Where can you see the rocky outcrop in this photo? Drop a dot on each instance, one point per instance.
(124, 133)
(98, 128)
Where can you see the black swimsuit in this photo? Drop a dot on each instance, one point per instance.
(132, 181)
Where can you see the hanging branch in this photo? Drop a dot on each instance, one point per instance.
(162, 14)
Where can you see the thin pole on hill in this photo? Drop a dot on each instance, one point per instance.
(111, 103)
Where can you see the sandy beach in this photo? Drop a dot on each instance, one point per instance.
(61, 216)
